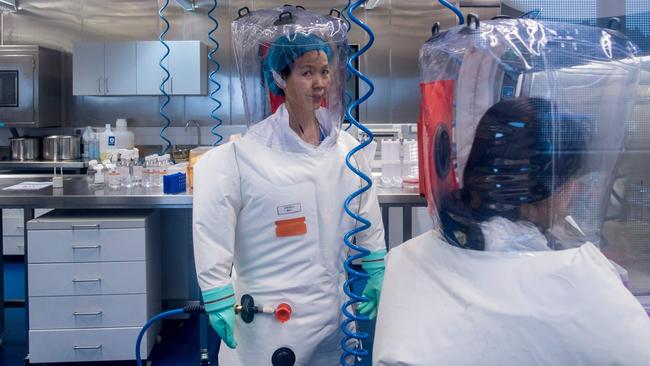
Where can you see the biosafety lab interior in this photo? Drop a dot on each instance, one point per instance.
(325, 182)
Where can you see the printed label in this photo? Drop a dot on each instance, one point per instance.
(289, 209)
(111, 140)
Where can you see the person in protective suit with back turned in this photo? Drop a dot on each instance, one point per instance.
(495, 292)
(270, 207)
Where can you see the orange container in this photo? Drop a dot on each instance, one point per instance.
(195, 155)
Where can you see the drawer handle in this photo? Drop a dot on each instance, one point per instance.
(86, 280)
(75, 247)
(87, 347)
(85, 227)
(93, 313)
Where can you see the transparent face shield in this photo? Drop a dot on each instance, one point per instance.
(292, 67)
(523, 155)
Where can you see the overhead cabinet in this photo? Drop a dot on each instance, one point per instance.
(132, 68)
(104, 69)
(187, 65)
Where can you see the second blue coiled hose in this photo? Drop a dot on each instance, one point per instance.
(217, 86)
(450, 6)
(166, 97)
(348, 75)
(360, 252)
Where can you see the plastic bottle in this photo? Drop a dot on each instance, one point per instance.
(112, 177)
(136, 168)
(106, 142)
(86, 137)
(146, 172)
(93, 152)
(150, 172)
(124, 139)
(90, 172)
(163, 165)
(124, 167)
(100, 172)
(391, 164)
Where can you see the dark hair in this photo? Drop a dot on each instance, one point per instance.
(523, 151)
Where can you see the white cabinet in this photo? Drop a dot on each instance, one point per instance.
(119, 68)
(88, 69)
(150, 75)
(94, 280)
(187, 65)
(132, 68)
(104, 68)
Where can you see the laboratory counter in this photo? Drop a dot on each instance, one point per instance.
(77, 193)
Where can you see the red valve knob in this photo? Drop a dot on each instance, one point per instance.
(283, 313)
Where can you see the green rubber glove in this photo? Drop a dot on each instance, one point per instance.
(219, 305)
(374, 265)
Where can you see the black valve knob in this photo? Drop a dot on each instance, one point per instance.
(283, 357)
(248, 308)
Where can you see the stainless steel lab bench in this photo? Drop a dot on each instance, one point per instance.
(77, 194)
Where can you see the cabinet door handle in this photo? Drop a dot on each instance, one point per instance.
(106, 84)
(93, 313)
(76, 247)
(99, 85)
(171, 85)
(77, 280)
(87, 347)
(84, 227)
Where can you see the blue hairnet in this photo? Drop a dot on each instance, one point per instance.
(285, 50)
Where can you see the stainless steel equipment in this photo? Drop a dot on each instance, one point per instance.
(25, 148)
(30, 86)
(61, 147)
(8, 5)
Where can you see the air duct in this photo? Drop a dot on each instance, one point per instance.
(189, 5)
(8, 5)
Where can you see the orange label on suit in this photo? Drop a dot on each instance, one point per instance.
(290, 227)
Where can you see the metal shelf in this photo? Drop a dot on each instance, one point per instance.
(31, 165)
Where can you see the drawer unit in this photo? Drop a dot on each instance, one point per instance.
(13, 225)
(94, 280)
(88, 245)
(13, 230)
(79, 345)
(75, 312)
(13, 245)
(105, 278)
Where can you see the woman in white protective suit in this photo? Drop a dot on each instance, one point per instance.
(268, 208)
(518, 181)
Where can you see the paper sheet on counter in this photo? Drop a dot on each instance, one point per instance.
(28, 186)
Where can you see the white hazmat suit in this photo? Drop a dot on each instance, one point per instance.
(246, 193)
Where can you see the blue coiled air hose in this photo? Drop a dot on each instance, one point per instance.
(166, 97)
(190, 309)
(348, 75)
(450, 6)
(354, 275)
(217, 86)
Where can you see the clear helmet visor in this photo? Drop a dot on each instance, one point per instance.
(292, 70)
(521, 154)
